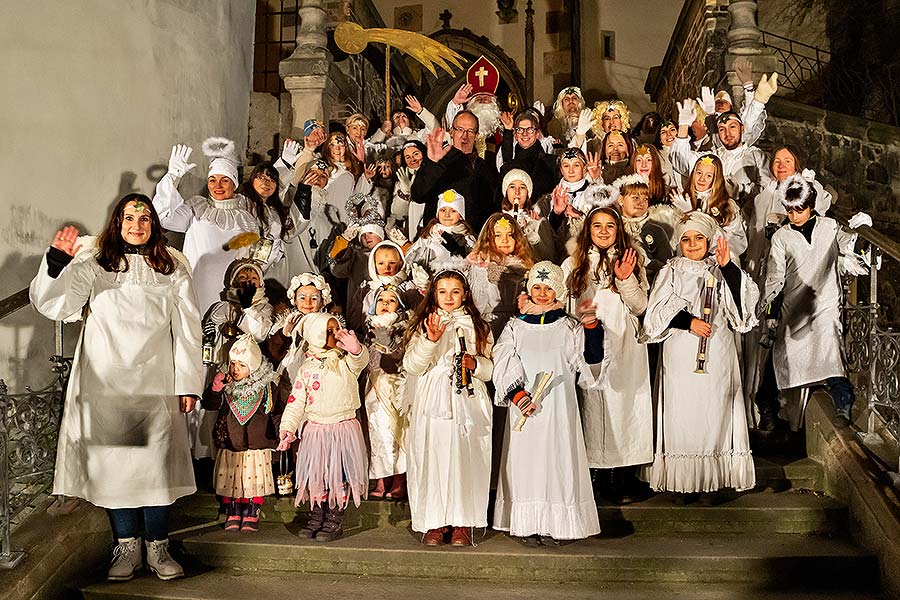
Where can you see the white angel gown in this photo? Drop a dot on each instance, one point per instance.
(123, 442)
(449, 439)
(702, 442)
(618, 413)
(545, 484)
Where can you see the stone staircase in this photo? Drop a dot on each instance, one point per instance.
(783, 540)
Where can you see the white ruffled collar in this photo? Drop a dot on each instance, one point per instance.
(231, 214)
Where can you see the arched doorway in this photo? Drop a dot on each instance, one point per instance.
(471, 46)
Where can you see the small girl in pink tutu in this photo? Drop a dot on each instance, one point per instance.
(331, 462)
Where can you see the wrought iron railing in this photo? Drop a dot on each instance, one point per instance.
(29, 430)
(871, 347)
(799, 63)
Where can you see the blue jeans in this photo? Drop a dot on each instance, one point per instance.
(126, 522)
(841, 391)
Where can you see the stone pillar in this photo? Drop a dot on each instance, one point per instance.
(529, 54)
(306, 72)
(745, 39)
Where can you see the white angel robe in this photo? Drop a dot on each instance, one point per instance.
(545, 485)
(809, 348)
(702, 442)
(449, 439)
(207, 224)
(123, 442)
(618, 413)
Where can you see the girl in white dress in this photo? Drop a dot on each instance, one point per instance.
(702, 443)
(448, 362)
(544, 492)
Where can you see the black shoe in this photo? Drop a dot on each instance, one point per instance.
(315, 522)
(766, 423)
(682, 499)
(333, 527)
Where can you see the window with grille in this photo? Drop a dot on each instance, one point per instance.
(276, 38)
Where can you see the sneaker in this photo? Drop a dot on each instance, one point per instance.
(233, 514)
(126, 559)
(161, 562)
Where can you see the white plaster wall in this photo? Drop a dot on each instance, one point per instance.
(95, 94)
(643, 29)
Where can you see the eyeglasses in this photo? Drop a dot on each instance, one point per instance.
(462, 131)
(265, 179)
(522, 130)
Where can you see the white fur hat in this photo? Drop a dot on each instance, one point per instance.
(517, 175)
(696, 220)
(454, 200)
(317, 281)
(795, 191)
(596, 195)
(223, 160)
(246, 350)
(630, 179)
(547, 273)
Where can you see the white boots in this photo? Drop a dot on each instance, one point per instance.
(126, 559)
(161, 562)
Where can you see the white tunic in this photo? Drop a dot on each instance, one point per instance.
(702, 442)
(545, 485)
(123, 442)
(808, 348)
(449, 439)
(618, 415)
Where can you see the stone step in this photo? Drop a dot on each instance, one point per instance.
(768, 562)
(754, 513)
(231, 585)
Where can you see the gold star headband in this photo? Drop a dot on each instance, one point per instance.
(503, 226)
(707, 160)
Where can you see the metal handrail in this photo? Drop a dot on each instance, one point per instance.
(29, 428)
(800, 61)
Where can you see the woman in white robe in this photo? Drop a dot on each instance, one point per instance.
(608, 274)
(449, 439)
(123, 442)
(702, 442)
(544, 490)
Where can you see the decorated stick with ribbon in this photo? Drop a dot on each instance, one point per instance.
(539, 389)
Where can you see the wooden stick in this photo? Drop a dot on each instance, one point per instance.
(387, 83)
(538, 390)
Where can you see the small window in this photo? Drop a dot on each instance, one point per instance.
(608, 45)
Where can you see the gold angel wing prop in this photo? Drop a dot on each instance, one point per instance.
(352, 39)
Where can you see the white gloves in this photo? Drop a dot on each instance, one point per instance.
(852, 264)
(419, 276)
(766, 88)
(584, 122)
(707, 100)
(539, 106)
(178, 161)
(397, 236)
(290, 152)
(808, 174)
(860, 219)
(687, 114)
(682, 202)
(351, 232)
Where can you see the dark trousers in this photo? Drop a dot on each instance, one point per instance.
(840, 388)
(126, 522)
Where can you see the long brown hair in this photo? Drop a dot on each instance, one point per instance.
(350, 161)
(426, 229)
(485, 248)
(112, 247)
(718, 195)
(258, 205)
(657, 182)
(429, 305)
(629, 143)
(581, 262)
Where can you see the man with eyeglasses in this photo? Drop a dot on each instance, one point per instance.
(522, 149)
(457, 167)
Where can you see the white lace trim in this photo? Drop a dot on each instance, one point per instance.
(231, 214)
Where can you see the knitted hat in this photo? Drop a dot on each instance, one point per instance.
(310, 125)
(393, 289)
(317, 281)
(224, 162)
(696, 220)
(517, 175)
(795, 191)
(239, 265)
(314, 328)
(375, 228)
(246, 350)
(547, 273)
(454, 200)
(596, 195)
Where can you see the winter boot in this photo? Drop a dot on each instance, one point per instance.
(250, 522)
(234, 511)
(161, 562)
(333, 527)
(398, 488)
(461, 537)
(315, 522)
(126, 559)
